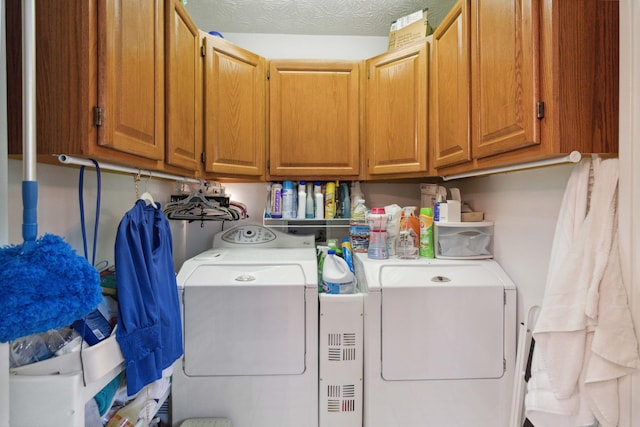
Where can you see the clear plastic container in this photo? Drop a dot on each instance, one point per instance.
(377, 220)
(408, 241)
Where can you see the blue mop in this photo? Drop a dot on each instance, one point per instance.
(44, 283)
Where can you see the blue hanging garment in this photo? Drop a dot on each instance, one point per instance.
(149, 326)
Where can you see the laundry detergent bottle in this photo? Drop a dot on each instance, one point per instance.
(337, 278)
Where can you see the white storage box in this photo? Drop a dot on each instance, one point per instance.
(464, 240)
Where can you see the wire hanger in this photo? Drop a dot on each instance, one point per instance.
(196, 206)
(146, 196)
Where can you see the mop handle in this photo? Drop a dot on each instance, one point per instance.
(29, 183)
(29, 90)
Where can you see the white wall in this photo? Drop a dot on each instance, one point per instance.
(629, 183)
(283, 46)
(59, 210)
(524, 206)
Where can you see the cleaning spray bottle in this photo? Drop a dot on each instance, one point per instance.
(319, 198)
(426, 233)
(345, 206)
(309, 209)
(356, 196)
(302, 200)
(330, 200)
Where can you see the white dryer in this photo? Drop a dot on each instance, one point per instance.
(439, 342)
(250, 319)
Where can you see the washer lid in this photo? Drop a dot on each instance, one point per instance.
(275, 266)
(207, 275)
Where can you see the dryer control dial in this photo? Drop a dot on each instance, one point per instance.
(249, 234)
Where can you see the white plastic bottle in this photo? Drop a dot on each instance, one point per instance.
(302, 200)
(356, 195)
(310, 209)
(276, 200)
(319, 198)
(337, 278)
(288, 205)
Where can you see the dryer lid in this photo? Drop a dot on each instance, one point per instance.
(411, 276)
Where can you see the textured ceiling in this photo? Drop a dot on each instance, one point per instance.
(309, 17)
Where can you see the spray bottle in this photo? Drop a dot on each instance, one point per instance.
(309, 209)
(319, 198)
(330, 200)
(426, 233)
(345, 206)
(302, 200)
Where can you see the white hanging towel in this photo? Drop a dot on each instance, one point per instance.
(584, 335)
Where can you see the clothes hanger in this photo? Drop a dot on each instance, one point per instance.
(146, 196)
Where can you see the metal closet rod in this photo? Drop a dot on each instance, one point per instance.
(573, 157)
(70, 160)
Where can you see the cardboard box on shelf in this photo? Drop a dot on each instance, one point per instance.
(409, 28)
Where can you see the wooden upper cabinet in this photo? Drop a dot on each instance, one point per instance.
(396, 118)
(234, 109)
(314, 118)
(99, 80)
(131, 66)
(504, 77)
(450, 96)
(184, 119)
(544, 81)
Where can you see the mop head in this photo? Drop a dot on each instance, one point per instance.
(46, 288)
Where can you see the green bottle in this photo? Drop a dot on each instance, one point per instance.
(426, 233)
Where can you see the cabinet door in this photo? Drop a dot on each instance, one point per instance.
(234, 109)
(131, 76)
(183, 89)
(314, 118)
(397, 111)
(504, 80)
(450, 93)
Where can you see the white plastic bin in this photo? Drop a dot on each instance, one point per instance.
(464, 240)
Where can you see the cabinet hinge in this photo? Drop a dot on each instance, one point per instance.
(97, 116)
(540, 110)
(203, 47)
(268, 164)
(202, 51)
(504, 365)
(203, 158)
(504, 297)
(268, 74)
(368, 74)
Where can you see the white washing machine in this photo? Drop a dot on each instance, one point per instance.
(439, 342)
(250, 319)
